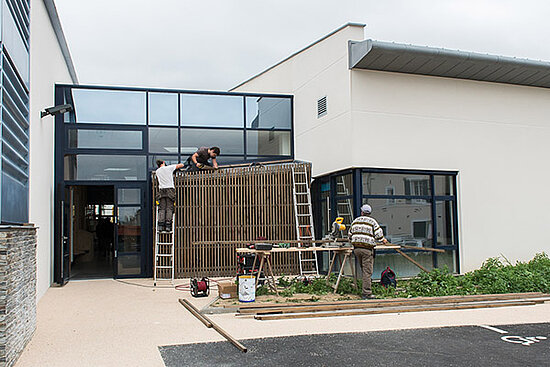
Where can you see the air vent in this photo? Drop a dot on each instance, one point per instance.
(322, 107)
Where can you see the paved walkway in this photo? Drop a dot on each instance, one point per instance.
(112, 323)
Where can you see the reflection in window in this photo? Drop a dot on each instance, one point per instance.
(105, 167)
(105, 139)
(445, 223)
(344, 185)
(163, 140)
(229, 141)
(404, 184)
(211, 110)
(169, 159)
(268, 142)
(444, 185)
(129, 196)
(129, 229)
(129, 264)
(268, 112)
(163, 109)
(224, 159)
(407, 223)
(109, 106)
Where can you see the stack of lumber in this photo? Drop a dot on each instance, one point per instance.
(279, 311)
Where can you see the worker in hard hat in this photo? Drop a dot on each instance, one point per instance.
(365, 232)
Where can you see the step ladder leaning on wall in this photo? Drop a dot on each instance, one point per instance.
(304, 219)
(164, 252)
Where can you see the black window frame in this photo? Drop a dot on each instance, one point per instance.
(357, 196)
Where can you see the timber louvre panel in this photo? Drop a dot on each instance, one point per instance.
(233, 204)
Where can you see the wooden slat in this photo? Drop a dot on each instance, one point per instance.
(223, 209)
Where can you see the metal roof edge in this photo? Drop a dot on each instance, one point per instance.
(467, 55)
(358, 50)
(58, 30)
(349, 24)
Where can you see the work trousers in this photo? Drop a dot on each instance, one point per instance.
(166, 198)
(365, 256)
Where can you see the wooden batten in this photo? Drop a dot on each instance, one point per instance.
(232, 204)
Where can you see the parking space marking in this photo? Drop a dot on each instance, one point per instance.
(527, 340)
(493, 329)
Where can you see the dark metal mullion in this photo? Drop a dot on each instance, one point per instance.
(179, 128)
(434, 221)
(182, 91)
(245, 147)
(210, 127)
(77, 151)
(333, 208)
(291, 126)
(455, 224)
(423, 197)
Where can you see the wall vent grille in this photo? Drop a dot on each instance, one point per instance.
(321, 107)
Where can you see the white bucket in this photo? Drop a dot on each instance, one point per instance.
(247, 288)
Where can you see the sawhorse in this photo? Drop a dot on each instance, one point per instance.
(347, 255)
(265, 258)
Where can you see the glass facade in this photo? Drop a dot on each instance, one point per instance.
(14, 126)
(172, 125)
(114, 137)
(414, 208)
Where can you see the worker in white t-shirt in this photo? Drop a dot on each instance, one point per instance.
(166, 194)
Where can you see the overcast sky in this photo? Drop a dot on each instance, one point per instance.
(214, 45)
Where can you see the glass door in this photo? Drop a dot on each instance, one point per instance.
(63, 257)
(130, 233)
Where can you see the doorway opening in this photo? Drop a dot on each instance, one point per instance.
(92, 232)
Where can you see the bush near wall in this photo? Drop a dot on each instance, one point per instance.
(494, 276)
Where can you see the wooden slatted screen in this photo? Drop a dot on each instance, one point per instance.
(232, 204)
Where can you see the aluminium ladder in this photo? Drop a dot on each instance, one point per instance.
(164, 252)
(304, 219)
(347, 212)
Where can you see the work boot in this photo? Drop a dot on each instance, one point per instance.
(168, 227)
(161, 227)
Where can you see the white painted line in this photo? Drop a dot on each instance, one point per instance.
(493, 329)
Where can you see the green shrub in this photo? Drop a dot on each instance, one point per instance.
(492, 277)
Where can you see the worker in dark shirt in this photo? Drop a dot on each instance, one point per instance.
(200, 158)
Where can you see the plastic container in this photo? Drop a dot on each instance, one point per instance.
(247, 288)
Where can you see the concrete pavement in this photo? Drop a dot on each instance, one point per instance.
(115, 323)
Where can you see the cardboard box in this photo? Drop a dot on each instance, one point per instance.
(227, 289)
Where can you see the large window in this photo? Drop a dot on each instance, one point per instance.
(172, 125)
(416, 209)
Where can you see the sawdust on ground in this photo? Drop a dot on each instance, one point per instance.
(305, 298)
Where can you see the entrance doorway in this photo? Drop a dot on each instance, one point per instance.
(92, 232)
(102, 231)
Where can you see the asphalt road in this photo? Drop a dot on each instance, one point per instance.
(510, 345)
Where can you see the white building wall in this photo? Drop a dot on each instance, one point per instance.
(495, 135)
(318, 71)
(47, 68)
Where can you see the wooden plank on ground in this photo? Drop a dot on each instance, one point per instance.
(394, 310)
(471, 297)
(211, 324)
(351, 306)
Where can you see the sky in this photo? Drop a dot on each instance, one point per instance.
(215, 45)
